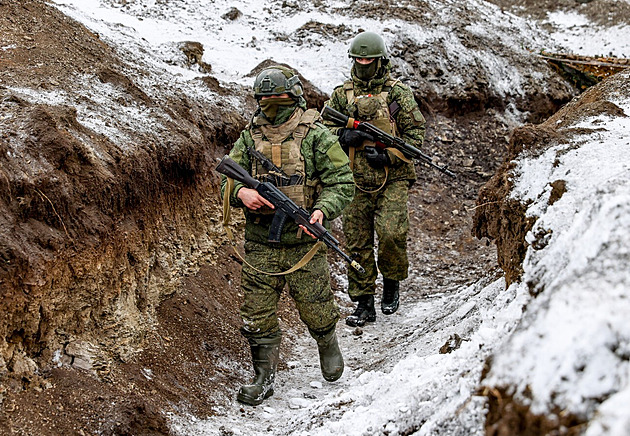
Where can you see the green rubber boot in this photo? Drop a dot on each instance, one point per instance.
(330, 358)
(265, 354)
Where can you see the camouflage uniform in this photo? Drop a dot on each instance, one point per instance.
(309, 286)
(315, 175)
(384, 211)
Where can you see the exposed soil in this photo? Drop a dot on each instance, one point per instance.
(509, 417)
(131, 346)
(70, 354)
(501, 218)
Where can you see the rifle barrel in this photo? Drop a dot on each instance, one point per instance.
(384, 138)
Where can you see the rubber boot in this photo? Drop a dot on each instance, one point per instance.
(390, 300)
(265, 354)
(330, 358)
(364, 312)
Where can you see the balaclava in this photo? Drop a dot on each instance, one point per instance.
(366, 71)
(277, 109)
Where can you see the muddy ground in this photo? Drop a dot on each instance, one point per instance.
(85, 353)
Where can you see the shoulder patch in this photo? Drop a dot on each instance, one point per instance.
(417, 115)
(337, 156)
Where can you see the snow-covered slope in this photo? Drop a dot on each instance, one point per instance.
(441, 46)
(572, 349)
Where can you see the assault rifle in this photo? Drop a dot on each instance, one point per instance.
(266, 163)
(285, 208)
(275, 174)
(381, 138)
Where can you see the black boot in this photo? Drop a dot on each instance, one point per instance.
(330, 358)
(390, 300)
(265, 353)
(364, 312)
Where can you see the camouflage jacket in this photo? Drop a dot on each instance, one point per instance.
(409, 122)
(323, 159)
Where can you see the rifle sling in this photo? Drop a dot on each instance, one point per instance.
(399, 154)
(368, 191)
(395, 151)
(226, 221)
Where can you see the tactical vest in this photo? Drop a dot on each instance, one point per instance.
(372, 108)
(375, 110)
(282, 145)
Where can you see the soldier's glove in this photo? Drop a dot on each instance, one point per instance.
(352, 138)
(376, 157)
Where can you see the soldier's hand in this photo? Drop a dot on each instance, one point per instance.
(376, 157)
(316, 217)
(353, 138)
(252, 199)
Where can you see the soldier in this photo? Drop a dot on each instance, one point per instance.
(318, 177)
(382, 176)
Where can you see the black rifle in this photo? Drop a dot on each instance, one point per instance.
(382, 139)
(266, 163)
(285, 207)
(275, 174)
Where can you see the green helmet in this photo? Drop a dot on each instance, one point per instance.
(277, 80)
(367, 45)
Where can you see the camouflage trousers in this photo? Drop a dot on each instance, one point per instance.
(384, 212)
(309, 287)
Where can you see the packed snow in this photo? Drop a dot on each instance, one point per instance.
(579, 35)
(578, 323)
(569, 345)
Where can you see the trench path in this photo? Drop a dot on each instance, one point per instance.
(453, 286)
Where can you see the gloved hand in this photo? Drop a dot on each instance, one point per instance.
(353, 138)
(376, 157)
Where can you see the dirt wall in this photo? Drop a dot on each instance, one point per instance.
(93, 236)
(503, 219)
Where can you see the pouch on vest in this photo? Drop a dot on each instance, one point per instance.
(282, 145)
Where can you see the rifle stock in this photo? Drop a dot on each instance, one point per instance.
(285, 208)
(382, 139)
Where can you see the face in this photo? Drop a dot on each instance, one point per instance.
(265, 97)
(364, 61)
